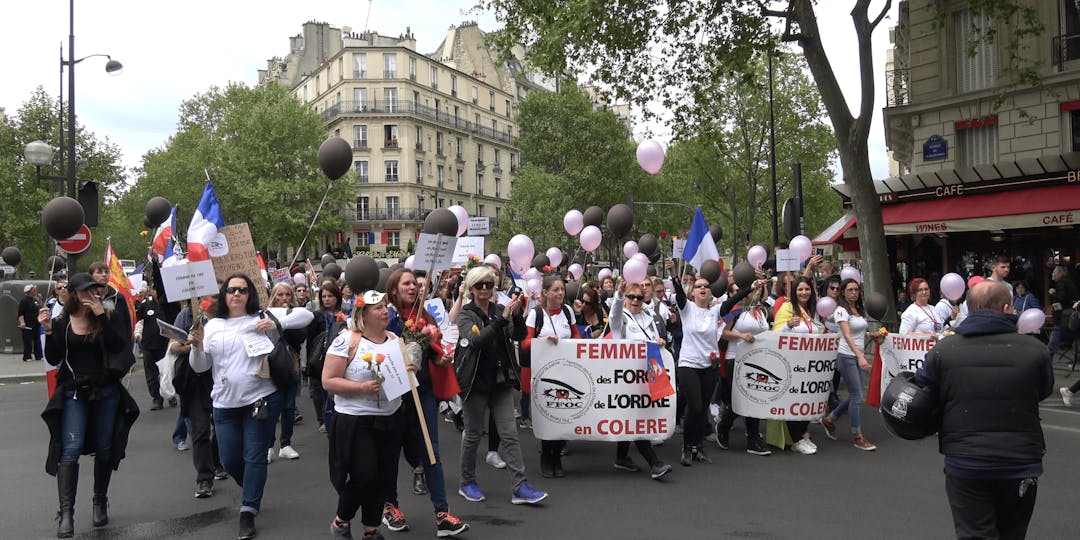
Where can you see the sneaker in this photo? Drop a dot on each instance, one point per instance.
(700, 456)
(714, 412)
(393, 518)
(862, 444)
(1066, 396)
(471, 492)
(804, 447)
(687, 457)
(448, 525)
(757, 447)
(659, 470)
(157, 405)
(830, 427)
(220, 474)
(373, 535)
(270, 455)
(524, 423)
(495, 460)
(722, 440)
(183, 446)
(526, 494)
(204, 489)
(287, 452)
(342, 531)
(810, 442)
(322, 428)
(297, 419)
(626, 464)
(419, 484)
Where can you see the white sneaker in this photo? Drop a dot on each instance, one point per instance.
(805, 447)
(810, 442)
(714, 412)
(495, 460)
(270, 455)
(287, 452)
(1066, 396)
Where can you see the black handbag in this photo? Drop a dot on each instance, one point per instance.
(284, 370)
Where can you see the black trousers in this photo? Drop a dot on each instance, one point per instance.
(697, 384)
(753, 425)
(31, 343)
(150, 358)
(644, 447)
(363, 459)
(197, 405)
(990, 508)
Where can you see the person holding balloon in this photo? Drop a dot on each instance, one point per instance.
(798, 316)
(850, 363)
(922, 318)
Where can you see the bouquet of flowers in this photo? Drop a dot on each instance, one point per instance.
(879, 336)
(374, 362)
(419, 332)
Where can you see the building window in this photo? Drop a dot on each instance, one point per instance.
(456, 111)
(389, 61)
(508, 108)
(390, 97)
(476, 120)
(393, 239)
(361, 168)
(434, 78)
(363, 239)
(977, 146)
(1073, 145)
(438, 143)
(513, 162)
(475, 94)
(480, 210)
(359, 65)
(393, 207)
(412, 69)
(360, 137)
(479, 155)
(419, 138)
(391, 134)
(459, 149)
(439, 170)
(496, 157)
(453, 86)
(359, 96)
(491, 101)
(479, 184)
(498, 193)
(459, 177)
(497, 212)
(419, 172)
(363, 209)
(976, 54)
(391, 170)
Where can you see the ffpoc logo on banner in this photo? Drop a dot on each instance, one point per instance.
(563, 391)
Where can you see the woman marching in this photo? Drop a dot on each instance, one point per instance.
(850, 363)
(741, 327)
(282, 296)
(328, 321)
(246, 402)
(922, 318)
(798, 315)
(366, 437)
(90, 412)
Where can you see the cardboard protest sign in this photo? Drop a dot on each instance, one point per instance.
(239, 257)
(598, 390)
(784, 376)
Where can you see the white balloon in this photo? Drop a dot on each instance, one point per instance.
(554, 256)
(299, 279)
(802, 247)
(409, 261)
(629, 248)
(605, 273)
(757, 256)
(850, 272)
(576, 270)
(573, 222)
(634, 270)
(641, 257)
(534, 286)
(591, 238)
(533, 273)
(493, 260)
(462, 218)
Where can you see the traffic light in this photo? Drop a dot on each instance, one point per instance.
(88, 198)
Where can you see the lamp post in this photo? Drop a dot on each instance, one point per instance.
(40, 153)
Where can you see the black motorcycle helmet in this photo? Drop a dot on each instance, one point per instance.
(910, 412)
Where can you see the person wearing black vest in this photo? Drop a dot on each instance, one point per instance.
(988, 381)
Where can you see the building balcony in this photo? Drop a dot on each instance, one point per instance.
(389, 73)
(391, 214)
(363, 179)
(359, 74)
(391, 178)
(391, 143)
(416, 110)
(496, 168)
(897, 88)
(360, 145)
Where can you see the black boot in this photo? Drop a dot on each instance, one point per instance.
(723, 429)
(67, 480)
(547, 467)
(556, 460)
(102, 477)
(247, 526)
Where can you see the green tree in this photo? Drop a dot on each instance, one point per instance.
(259, 147)
(22, 196)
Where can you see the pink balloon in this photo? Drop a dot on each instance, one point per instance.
(825, 307)
(534, 286)
(409, 261)
(850, 272)
(605, 273)
(1031, 321)
(634, 271)
(629, 248)
(801, 246)
(952, 286)
(493, 260)
(521, 250)
(576, 270)
(756, 256)
(299, 279)
(641, 257)
(591, 238)
(462, 218)
(554, 256)
(573, 222)
(650, 155)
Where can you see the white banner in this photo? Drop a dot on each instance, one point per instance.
(183, 281)
(787, 261)
(479, 226)
(434, 252)
(467, 245)
(598, 390)
(903, 352)
(784, 376)
(677, 247)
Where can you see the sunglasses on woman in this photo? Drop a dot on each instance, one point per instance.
(635, 297)
(485, 285)
(236, 290)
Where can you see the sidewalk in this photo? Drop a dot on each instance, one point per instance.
(13, 370)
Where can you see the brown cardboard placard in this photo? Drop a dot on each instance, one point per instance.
(240, 258)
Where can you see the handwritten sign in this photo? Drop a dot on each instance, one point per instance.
(467, 245)
(183, 281)
(240, 258)
(677, 247)
(787, 261)
(434, 252)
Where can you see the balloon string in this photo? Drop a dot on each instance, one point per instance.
(311, 226)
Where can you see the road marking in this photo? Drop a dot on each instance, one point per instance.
(1061, 410)
(1061, 428)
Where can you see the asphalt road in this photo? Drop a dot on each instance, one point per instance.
(894, 492)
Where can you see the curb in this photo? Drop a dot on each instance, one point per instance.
(19, 379)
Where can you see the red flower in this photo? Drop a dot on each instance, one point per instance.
(547, 268)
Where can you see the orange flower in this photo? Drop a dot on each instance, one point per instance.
(380, 358)
(409, 324)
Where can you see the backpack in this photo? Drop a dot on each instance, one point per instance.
(284, 370)
(317, 350)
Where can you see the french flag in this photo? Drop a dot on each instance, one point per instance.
(262, 268)
(204, 225)
(164, 237)
(700, 246)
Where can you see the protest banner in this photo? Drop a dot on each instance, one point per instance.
(239, 257)
(903, 352)
(598, 390)
(787, 261)
(434, 252)
(184, 281)
(280, 275)
(677, 247)
(784, 376)
(467, 245)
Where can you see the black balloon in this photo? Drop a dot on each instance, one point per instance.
(147, 223)
(540, 261)
(382, 264)
(441, 221)
(648, 243)
(327, 259)
(593, 215)
(62, 217)
(651, 271)
(362, 274)
(573, 291)
(744, 274)
(716, 232)
(157, 211)
(719, 287)
(54, 264)
(620, 219)
(710, 271)
(11, 255)
(335, 157)
(877, 306)
(331, 270)
(384, 274)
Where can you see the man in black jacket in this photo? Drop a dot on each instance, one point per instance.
(989, 381)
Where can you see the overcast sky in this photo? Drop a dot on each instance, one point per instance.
(174, 50)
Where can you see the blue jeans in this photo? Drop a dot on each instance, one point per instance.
(242, 444)
(183, 427)
(854, 379)
(413, 440)
(288, 416)
(98, 409)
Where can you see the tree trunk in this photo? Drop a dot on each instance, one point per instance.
(855, 161)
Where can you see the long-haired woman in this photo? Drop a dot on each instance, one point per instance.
(799, 315)
(851, 363)
(283, 296)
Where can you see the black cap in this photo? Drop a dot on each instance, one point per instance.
(82, 281)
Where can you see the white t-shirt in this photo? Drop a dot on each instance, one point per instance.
(701, 332)
(856, 325)
(748, 323)
(358, 370)
(554, 325)
(925, 319)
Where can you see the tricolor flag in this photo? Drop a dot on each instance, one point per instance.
(119, 280)
(659, 380)
(700, 246)
(262, 268)
(165, 237)
(204, 225)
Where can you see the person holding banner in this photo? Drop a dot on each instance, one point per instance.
(922, 318)
(488, 373)
(551, 319)
(630, 320)
(246, 402)
(798, 315)
(741, 325)
(850, 363)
